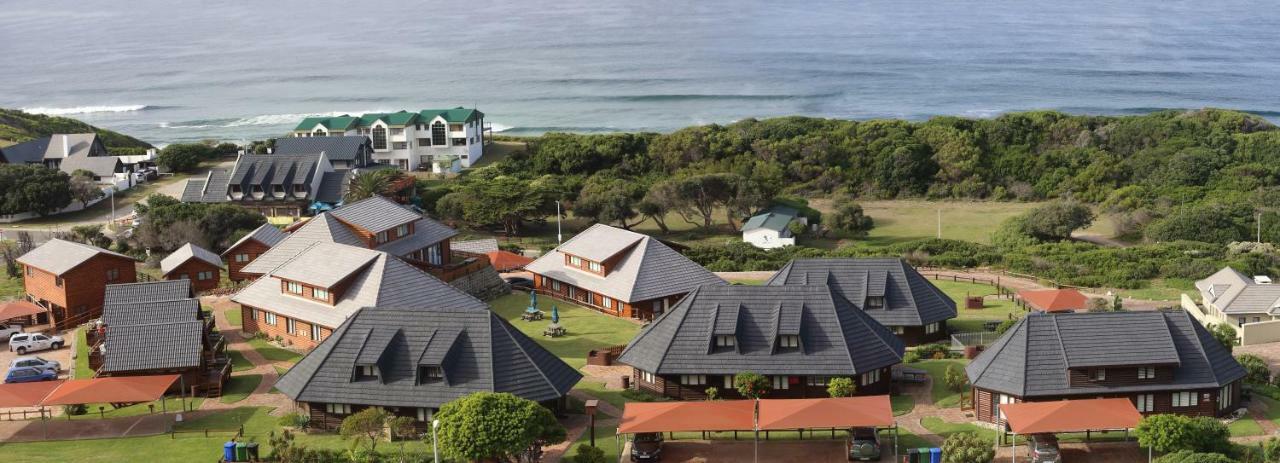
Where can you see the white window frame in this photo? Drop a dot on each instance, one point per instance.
(728, 382)
(932, 328)
(555, 285)
(594, 266)
(242, 257)
(337, 409)
(270, 318)
(726, 340)
(1185, 399)
(780, 383)
(315, 332)
(1146, 372)
(291, 326)
(870, 377)
(814, 381)
(575, 261)
(367, 371)
(1225, 396)
(425, 415)
(1145, 402)
(320, 293)
(606, 301)
(789, 341)
(693, 380)
(293, 287)
(648, 377)
(1100, 374)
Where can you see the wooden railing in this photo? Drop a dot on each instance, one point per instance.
(462, 264)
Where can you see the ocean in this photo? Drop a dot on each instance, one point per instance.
(171, 71)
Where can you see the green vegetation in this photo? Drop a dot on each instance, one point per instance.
(17, 126)
(169, 223)
(509, 426)
(967, 447)
(615, 397)
(588, 329)
(902, 404)
(606, 441)
(233, 316)
(238, 362)
(994, 309)
(172, 404)
(272, 352)
(1245, 427)
(1171, 433)
(943, 396)
(82, 370)
(239, 387)
(33, 188)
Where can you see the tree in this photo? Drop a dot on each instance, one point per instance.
(657, 202)
(168, 223)
(967, 447)
(495, 426)
(751, 385)
(1171, 433)
(84, 188)
(366, 425)
(1225, 334)
(841, 387)
(609, 200)
(589, 454)
(182, 157)
(1256, 370)
(370, 183)
(1056, 220)
(33, 188)
(1097, 304)
(849, 221)
(1186, 456)
(1117, 305)
(955, 378)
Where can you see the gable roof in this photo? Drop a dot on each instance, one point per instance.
(1032, 358)
(322, 228)
(335, 123)
(1054, 300)
(151, 291)
(645, 268)
(61, 146)
(480, 246)
(141, 313)
(27, 152)
(375, 214)
(267, 234)
(776, 218)
(477, 350)
(210, 189)
(1233, 292)
(185, 253)
(337, 148)
(373, 278)
(836, 338)
(348, 122)
(57, 256)
(155, 346)
(456, 115)
(100, 166)
(909, 298)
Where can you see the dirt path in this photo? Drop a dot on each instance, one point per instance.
(261, 395)
(1020, 283)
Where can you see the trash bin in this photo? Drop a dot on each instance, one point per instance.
(913, 455)
(229, 451)
(924, 454)
(935, 455)
(253, 451)
(242, 452)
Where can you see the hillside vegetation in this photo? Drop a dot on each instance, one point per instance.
(17, 126)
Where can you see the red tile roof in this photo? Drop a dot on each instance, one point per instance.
(1055, 300)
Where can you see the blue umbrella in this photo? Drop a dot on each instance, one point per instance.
(533, 303)
(555, 314)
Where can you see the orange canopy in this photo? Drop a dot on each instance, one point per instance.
(726, 415)
(120, 389)
(26, 394)
(842, 412)
(506, 261)
(15, 309)
(1071, 415)
(1055, 300)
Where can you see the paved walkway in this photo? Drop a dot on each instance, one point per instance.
(110, 428)
(262, 395)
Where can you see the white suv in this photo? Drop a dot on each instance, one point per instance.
(31, 342)
(7, 330)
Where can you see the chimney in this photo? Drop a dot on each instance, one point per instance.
(66, 147)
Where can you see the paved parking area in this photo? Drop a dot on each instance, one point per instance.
(772, 451)
(1111, 452)
(62, 356)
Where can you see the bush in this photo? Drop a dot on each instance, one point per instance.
(934, 351)
(295, 420)
(636, 395)
(75, 410)
(967, 447)
(1256, 370)
(1172, 433)
(955, 378)
(1185, 456)
(589, 454)
(1005, 325)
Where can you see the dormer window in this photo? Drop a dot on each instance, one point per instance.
(293, 288)
(725, 341)
(875, 302)
(381, 237)
(364, 372)
(595, 267)
(277, 191)
(430, 374)
(1100, 374)
(1146, 372)
(318, 293)
(402, 230)
(575, 261)
(789, 341)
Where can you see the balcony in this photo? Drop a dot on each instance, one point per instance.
(460, 264)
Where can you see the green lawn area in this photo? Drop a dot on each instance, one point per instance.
(1273, 407)
(902, 404)
(612, 396)
(605, 440)
(942, 397)
(995, 309)
(82, 370)
(944, 429)
(588, 329)
(272, 352)
(11, 288)
(1245, 427)
(232, 316)
(239, 387)
(906, 220)
(238, 362)
(170, 403)
(1162, 289)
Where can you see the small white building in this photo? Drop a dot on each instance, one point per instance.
(772, 228)
(411, 140)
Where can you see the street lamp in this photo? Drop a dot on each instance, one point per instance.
(435, 424)
(591, 412)
(559, 236)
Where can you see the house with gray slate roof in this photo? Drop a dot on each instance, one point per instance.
(412, 359)
(343, 152)
(304, 296)
(248, 248)
(1231, 297)
(889, 290)
(618, 272)
(1165, 362)
(800, 336)
(191, 262)
(284, 185)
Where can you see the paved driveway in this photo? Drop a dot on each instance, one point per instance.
(772, 451)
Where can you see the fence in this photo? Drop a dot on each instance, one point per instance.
(1001, 290)
(959, 341)
(236, 433)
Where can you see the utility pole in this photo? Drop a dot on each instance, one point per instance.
(939, 223)
(559, 236)
(1259, 222)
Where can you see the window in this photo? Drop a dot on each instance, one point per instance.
(320, 293)
(397, 131)
(575, 261)
(58, 281)
(242, 257)
(381, 237)
(555, 285)
(606, 302)
(1225, 396)
(425, 415)
(1240, 321)
(932, 328)
(402, 230)
(366, 371)
(870, 377)
(789, 341)
(1185, 399)
(293, 287)
(205, 275)
(875, 302)
(290, 326)
(315, 332)
(455, 127)
(780, 383)
(459, 141)
(898, 329)
(438, 135)
(270, 318)
(647, 377)
(434, 256)
(337, 409)
(113, 274)
(693, 380)
(817, 380)
(595, 267)
(1100, 374)
(28, 271)
(318, 133)
(725, 340)
(1146, 372)
(424, 142)
(379, 138)
(399, 145)
(728, 382)
(1145, 402)
(430, 374)
(1004, 399)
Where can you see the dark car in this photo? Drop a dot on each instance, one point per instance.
(1044, 449)
(519, 282)
(647, 446)
(29, 375)
(863, 444)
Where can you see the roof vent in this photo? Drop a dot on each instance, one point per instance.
(1262, 279)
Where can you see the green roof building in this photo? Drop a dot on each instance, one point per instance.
(439, 140)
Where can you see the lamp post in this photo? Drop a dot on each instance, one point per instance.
(559, 236)
(435, 451)
(591, 412)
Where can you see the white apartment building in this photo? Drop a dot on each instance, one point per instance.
(431, 139)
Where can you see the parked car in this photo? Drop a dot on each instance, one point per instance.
(647, 446)
(1044, 449)
(7, 330)
(519, 282)
(863, 444)
(32, 342)
(29, 375)
(36, 362)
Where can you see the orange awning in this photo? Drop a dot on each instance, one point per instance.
(15, 309)
(506, 261)
(1071, 416)
(26, 394)
(120, 389)
(725, 415)
(1055, 300)
(842, 412)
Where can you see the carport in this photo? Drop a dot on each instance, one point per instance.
(20, 308)
(717, 415)
(1063, 416)
(115, 390)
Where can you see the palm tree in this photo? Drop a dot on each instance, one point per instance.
(370, 183)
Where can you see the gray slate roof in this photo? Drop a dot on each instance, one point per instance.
(648, 270)
(380, 279)
(185, 253)
(1032, 358)
(909, 298)
(152, 291)
(332, 186)
(479, 246)
(1235, 293)
(154, 346)
(267, 234)
(211, 189)
(335, 148)
(27, 152)
(58, 256)
(837, 338)
(139, 313)
(376, 214)
(478, 351)
(101, 166)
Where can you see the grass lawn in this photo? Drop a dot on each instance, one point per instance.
(1245, 427)
(1273, 407)
(232, 316)
(971, 320)
(906, 440)
(588, 329)
(906, 220)
(605, 440)
(1162, 289)
(612, 396)
(11, 288)
(902, 404)
(238, 362)
(944, 429)
(272, 352)
(170, 403)
(82, 370)
(239, 387)
(942, 397)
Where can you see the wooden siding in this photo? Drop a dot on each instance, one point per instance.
(1117, 377)
(798, 387)
(80, 296)
(915, 335)
(251, 248)
(191, 269)
(1162, 401)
